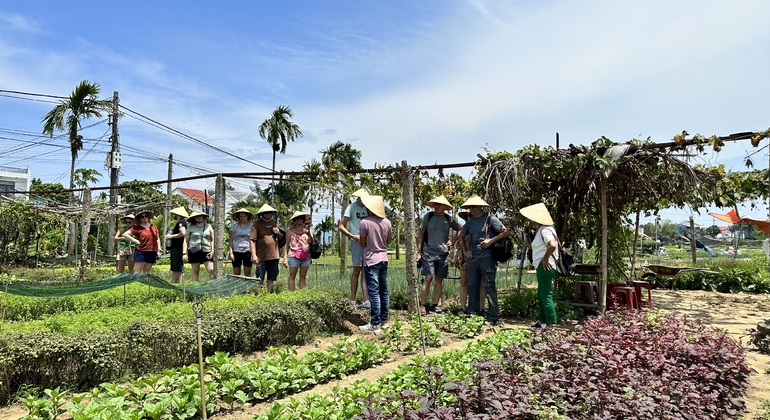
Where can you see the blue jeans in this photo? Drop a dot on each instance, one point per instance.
(377, 286)
(483, 269)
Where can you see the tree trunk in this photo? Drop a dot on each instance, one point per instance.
(85, 228)
(72, 226)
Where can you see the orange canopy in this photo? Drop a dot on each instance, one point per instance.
(763, 225)
(729, 217)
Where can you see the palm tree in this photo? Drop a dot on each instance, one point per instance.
(67, 115)
(341, 156)
(85, 177)
(279, 130)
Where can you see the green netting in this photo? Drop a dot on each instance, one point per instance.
(223, 286)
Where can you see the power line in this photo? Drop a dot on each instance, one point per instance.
(157, 124)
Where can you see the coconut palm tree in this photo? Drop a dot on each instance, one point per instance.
(68, 115)
(279, 130)
(340, 156)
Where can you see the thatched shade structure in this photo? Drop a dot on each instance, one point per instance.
(591, 189)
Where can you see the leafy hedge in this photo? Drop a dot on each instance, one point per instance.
(86, 359)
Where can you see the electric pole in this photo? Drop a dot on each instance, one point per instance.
(113, 163)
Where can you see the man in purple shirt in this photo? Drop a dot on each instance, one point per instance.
(375, 234)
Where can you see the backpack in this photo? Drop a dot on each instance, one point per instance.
(502, 249)
(565, 262)
(280, 240)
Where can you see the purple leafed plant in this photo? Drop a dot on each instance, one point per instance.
(621, 365)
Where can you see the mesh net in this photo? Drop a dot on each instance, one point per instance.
(223, 286)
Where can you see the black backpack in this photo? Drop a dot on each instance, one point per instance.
(282, 239)
(502, 249)
(565, 262)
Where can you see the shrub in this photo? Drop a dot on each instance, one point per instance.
(85, 359)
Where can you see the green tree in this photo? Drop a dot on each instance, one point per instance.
(51, 193)
(279, 130)
(712, 230)
(68, 115)
(85, 177)
(325, 228)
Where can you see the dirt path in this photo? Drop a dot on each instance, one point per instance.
(734, 313)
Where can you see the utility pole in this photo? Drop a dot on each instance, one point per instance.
(166, 209)
(113, 162)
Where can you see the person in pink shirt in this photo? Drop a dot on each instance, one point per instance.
(375, 234)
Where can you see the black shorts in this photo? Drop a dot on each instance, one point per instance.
(241, 259)
(198, 257)
(270, 267)
(176, 259)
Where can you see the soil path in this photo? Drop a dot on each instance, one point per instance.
(735, 313)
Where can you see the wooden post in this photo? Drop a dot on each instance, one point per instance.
(603, 281)
(166, 225)
(410, 242)
(219, 226)
(692, 239)
(85, 227)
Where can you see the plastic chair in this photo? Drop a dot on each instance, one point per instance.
(586, 292)
(620, 294)
(638, 285)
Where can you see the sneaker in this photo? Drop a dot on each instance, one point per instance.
(370, 328)
(385, 325)
(354, 305)
(536, 325)
(366, 305)
(435, 309)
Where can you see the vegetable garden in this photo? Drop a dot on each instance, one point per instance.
(132, 351)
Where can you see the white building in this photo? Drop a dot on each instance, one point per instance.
(14, 179)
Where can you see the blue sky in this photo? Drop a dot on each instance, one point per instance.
(427, 82)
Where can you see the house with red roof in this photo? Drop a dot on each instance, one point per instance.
(198, 200)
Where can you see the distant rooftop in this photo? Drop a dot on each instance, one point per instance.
(14, 170)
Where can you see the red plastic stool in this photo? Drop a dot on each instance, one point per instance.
(621, 294)
(586, 292)
(638, 285)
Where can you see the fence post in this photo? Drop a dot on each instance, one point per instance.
(84, 229)
(410, 243)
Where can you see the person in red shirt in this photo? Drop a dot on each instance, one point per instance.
(147, 239)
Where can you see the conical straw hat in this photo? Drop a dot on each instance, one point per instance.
(474, 201)
(537, 213)
(440, 200)
(463, 214)
(266, 209)
(149, 213)
(361, 192)
(299, 213)
(180, 211)
(195, 214)
(374, 204)
(237, 213)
